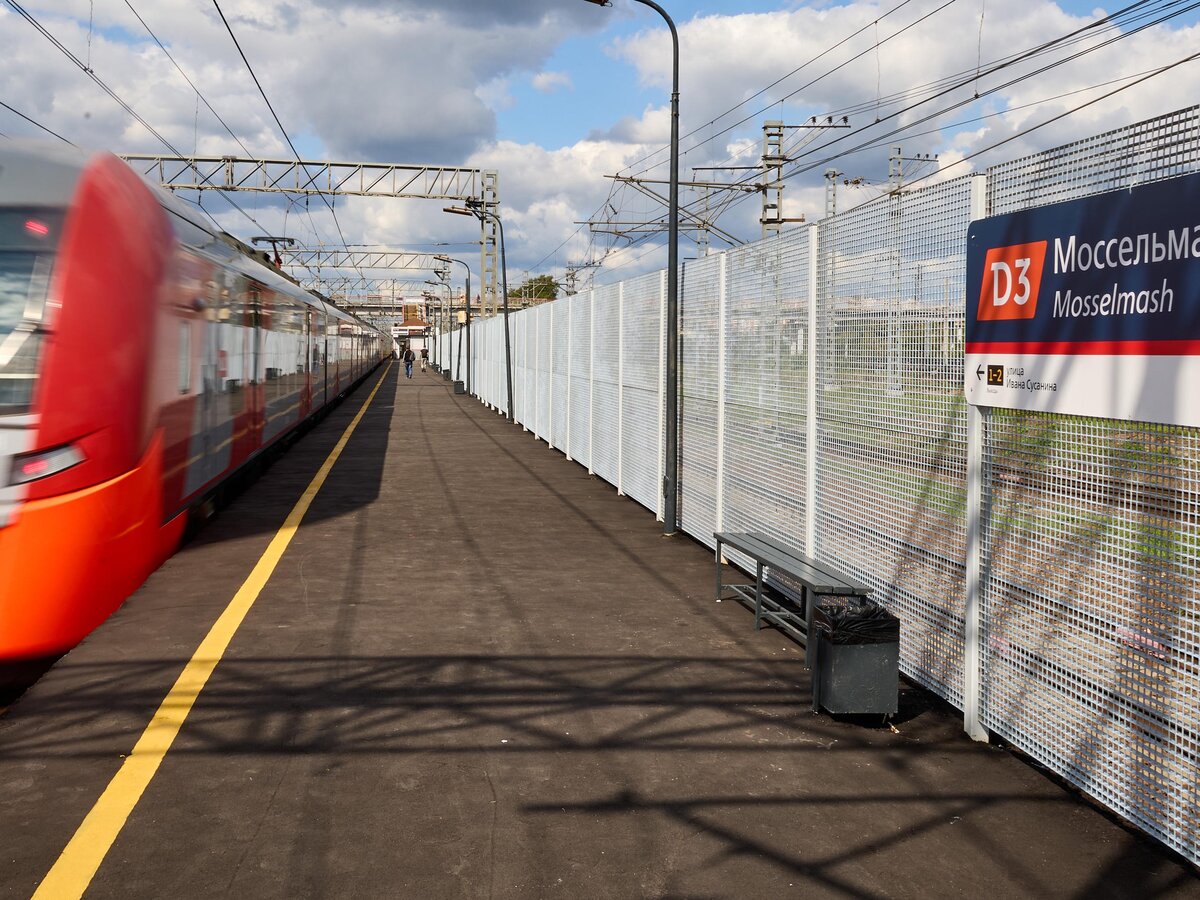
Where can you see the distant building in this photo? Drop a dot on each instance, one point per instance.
(414, 327)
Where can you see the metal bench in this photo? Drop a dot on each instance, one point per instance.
(815, 579)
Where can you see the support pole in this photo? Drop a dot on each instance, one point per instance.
(972, 649)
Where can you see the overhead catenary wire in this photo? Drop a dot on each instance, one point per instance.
(1134, 12)
(730, 111)
(965, 78)
(1146, 77)
(92, 75)
(202, 99)
(1140, 79)
(35, 123)
(1109, 21)
(876, 140)
(948, 83)
(275, 116)
(713, 135)
(1022, 106)
(818, 78)
(87, 70)
(191, 84)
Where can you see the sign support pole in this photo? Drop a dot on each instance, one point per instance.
(973, 582)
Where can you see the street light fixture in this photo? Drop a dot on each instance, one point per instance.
(431, 309)
(445, 274)
(449, 259)
(478, 210)
(671, 454)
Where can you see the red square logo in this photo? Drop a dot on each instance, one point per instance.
(1012, 277)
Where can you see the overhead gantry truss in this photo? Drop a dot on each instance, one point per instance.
(356, 179)
(361, 259)
(372, 298)
(337, 285)
(290, 176)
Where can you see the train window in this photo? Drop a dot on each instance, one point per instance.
(185, 357)
(189, 233)
(28, 240)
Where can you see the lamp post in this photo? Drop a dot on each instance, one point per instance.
(443, 281)
(432, 307)
(671, 413)
(467, 269)
(476, 208)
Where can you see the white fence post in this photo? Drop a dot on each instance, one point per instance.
(810, 412)
(550, 380)
(591, 379)
(972, 658)
(621, 388)
(570, 365)
(525, 371)
(662, 377)
(722, 332)
(537, 367)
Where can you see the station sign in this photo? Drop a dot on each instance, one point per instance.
(1089, 307)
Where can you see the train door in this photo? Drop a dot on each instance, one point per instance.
(258, 375)
(209, 380)
(324, 359)
(320, 357)
(306, 366)
(226, 368)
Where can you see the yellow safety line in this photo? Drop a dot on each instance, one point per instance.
(75, 867)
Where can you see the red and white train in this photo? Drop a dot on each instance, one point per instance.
(145, 357)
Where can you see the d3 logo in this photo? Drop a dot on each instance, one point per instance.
(1012, 277)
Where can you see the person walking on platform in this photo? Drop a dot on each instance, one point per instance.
(409, 356)
(424, 358)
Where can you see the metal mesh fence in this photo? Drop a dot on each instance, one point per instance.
(765, 433)
(1091, 618)
(891, 421)
(544, 349)
(606, 377)
(1089, 642)
(1148, 151)
(699, 329)
(581, 380)
(641, 386)
(561, 359)
(522, 379)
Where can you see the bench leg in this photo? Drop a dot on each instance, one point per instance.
(719, 585)
(810, 654)
(758, 598)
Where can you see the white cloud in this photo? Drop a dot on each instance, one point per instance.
(547, 82)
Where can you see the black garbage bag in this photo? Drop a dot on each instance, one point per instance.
(854, 620)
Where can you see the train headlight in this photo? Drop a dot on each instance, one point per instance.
(32, 466)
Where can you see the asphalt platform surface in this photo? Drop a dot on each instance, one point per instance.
(478, 672)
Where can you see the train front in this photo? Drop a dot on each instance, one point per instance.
(83, 254)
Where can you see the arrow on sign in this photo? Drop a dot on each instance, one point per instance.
(979, 374)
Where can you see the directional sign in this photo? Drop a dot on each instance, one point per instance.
(1089, 307)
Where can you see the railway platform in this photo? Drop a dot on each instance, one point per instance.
(474, 671)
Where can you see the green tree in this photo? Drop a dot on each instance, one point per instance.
(540, 287)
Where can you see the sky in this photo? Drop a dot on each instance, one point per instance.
(558, 95)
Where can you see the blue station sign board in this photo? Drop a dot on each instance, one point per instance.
(1089, 307)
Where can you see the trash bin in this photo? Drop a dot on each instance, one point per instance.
(446, 373)
(459, 388)
(857, 664)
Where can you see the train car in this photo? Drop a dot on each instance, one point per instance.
(145, 358)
